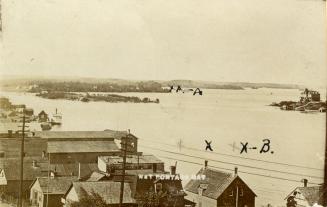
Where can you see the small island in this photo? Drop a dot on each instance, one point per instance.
(309, 102)
(112, 98)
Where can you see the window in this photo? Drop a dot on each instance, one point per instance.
(241, 192)
(2, 154)
(231, 193)
(200, 191)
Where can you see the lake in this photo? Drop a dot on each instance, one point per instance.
(177, 127)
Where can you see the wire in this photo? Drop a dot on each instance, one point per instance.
(230, 163)
(267, 176)
(245, 158)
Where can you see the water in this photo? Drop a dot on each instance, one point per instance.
(225, 117)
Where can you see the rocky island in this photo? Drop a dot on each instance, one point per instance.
(309, 102)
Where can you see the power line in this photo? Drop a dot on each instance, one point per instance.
(240, 157)
(249, 173)
(230, 163)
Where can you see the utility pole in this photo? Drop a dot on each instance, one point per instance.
(22, 154)
(124, 149)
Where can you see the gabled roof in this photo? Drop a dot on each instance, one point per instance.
(312, 194)
(56, 185)
(216, 183)
(82, 146)
(108, 190)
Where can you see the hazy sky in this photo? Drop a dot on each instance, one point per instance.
(223, 40)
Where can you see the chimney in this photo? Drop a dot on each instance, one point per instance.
(79, 170)
(173, 170)
(235, 171)
(205, 163)
(34, 163)
(10, 133)
(305, 182)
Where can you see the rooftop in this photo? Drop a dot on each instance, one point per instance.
(69, 169)
(313, 194)
(96, 176)
(216, 182)
(108, 190)
(81, 146)
(11, 167)
(56, 185)
(80, 134)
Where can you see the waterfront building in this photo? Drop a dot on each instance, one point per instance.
(43, 117)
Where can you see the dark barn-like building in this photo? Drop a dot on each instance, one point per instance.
(219, 189)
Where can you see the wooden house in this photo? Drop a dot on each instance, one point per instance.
(48, 191)
(109, 191)
(219, 189)
(307, 195)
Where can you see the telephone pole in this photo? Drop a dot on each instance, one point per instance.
(22, 154)
(124, 148)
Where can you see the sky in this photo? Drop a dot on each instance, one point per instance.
(277, 41)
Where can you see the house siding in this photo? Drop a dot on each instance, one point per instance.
(245, 196)
(36, 195)
(201, 201)
(228, 198)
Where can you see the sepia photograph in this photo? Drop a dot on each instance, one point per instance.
(163, 103)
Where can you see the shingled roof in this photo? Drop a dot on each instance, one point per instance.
(56, 185)
(11, 168)
(216, 182)
(69, 169)
(312, 194)
(108, 190)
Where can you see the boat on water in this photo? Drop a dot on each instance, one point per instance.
(45, 126)
(56, 118)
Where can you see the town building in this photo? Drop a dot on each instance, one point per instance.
(310, 95)
(109, 191)
(48, 191)
(307, 195)
(82, 146)
(219, 189)
(10, 174)
(42, 116)
(69, 154)
(133, 162)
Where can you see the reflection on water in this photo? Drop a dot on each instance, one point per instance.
(226, 117)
